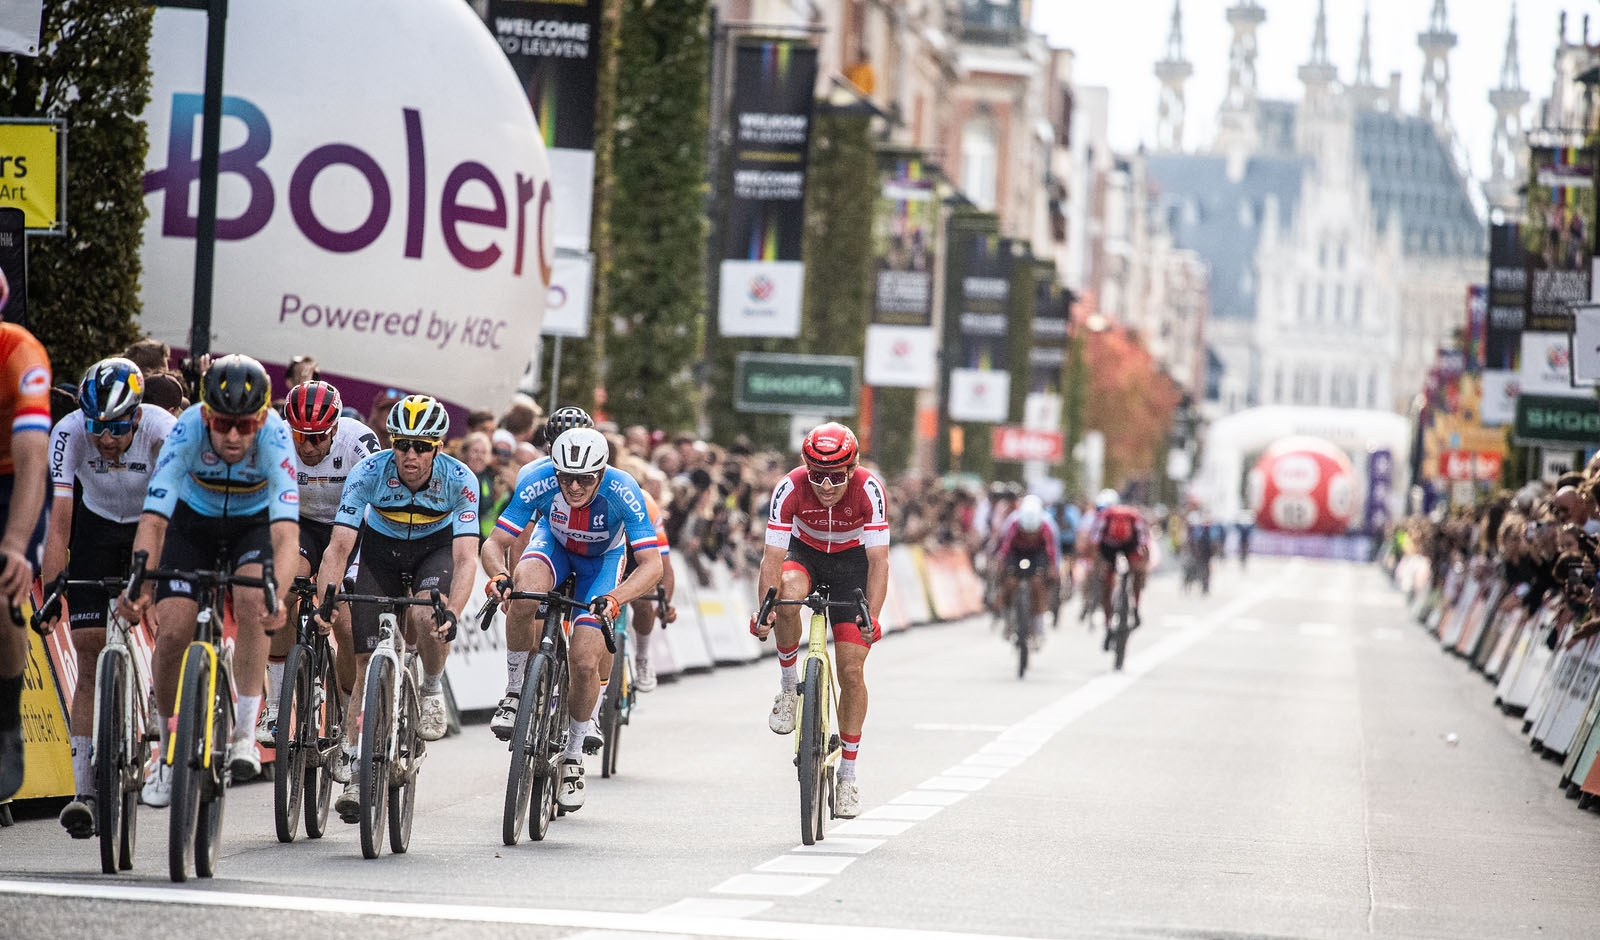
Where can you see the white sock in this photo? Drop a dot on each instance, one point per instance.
(82, 767)
(595, 715)
(431, 684)
(576, 730)
(274, 680)
(515, 663)
(244, 717)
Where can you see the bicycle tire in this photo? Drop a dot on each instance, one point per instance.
(214, 783)
(403, 775)
(327, 725)
(187, 743)
(377, 723)
(611, 711)
(809, 762)
(110, 752)
(295, 735)
(1119, 637)
(1021, 617)
(529, 746)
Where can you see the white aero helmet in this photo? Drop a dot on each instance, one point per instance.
(1108, 497)
(1030, 514)
(580, 450)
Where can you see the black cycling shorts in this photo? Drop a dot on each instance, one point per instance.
(314, 538)
(99, 548)
(197, 543)
(429, 561)
(1038, 561)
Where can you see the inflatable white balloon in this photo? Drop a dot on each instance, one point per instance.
(384, 195)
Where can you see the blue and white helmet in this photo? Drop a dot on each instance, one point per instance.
(111, 390)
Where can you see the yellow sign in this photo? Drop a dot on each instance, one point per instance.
(47, 748)
(30, 173)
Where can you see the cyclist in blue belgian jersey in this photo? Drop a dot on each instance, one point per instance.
(224, 490)
(591, 513)
(416, 511)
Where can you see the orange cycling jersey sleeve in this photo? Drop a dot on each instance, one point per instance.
(24, 389)
(658, 520)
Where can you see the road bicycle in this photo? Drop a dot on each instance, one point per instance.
(125, 725)
(1020, 614)
(817, 746)
(616, 708)
(538, 737)
(197, 751)
(310, 729)
(1119, 626)
(391, 746)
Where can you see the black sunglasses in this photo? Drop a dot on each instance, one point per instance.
(577, 479)
(420, 447)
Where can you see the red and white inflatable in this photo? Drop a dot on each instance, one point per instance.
(1303, 485)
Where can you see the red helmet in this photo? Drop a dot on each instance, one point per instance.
(830, 446)
(312, 407)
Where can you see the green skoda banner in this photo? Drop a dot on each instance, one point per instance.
(1557, 421)
(785, 384)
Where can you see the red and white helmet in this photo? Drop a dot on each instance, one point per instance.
(312, 407)
(830, 446)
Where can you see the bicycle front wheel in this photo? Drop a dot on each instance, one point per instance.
(113, 819)
(403, 778)
(1021, 621)
(1119, 637)
(529, 747)
(188, 749)
(325, 733)
(611, 709)
(377, 726)
(813, 699)
(296, 735)
(214, 781)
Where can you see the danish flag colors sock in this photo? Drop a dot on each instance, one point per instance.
(847, 760)
(786, 661)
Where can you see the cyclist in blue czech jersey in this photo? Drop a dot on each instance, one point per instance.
(416, 511)
(591, 514)
(223, 488)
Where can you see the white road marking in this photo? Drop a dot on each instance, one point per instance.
(791, 886)
(912, 813)
(969, 784)
(655, 924)
(981, 768)
(1247, 625)
(873, 827)
(1318, 629)
(928, 798)
(844, 845)
(1179, 620)
(806, 864)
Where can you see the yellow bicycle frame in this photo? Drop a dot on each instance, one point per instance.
(211, 696)
(817, 649)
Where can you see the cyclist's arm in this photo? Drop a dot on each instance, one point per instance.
(669, 579)
(63, 447)
(771, 570)
(496, 553)
(463, 552)
(285, 561)
(28, 455)
(780, 523)
(640, 531)
(877, 578)
(335, 558)
(147, 538)
(646, 572)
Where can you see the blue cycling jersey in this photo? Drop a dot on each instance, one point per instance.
(190, 469)
(616, 513)
(375, 497)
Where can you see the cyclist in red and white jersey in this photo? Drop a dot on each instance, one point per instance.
(1117, 529)
(828, 524)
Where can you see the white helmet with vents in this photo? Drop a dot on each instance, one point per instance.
(580, 450)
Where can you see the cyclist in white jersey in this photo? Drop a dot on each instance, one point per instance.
(326, 447)
(109, 446)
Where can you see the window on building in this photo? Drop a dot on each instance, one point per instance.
(1341, 255)
(1355, 305)
(980, 161)
(1277, 385)
(1322, 254)
(1300, 303)
(1338, 304)
(1322, 296)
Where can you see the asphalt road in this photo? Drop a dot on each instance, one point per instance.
(1273, 763)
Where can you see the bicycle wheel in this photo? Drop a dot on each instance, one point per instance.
(377, 727)
(296, 736)
(611, 708)
(1119, 636)
(187, 748)
(110, 757)
(1021, 619)
(809, 761)
(529, 749)
(214, 781)
(403, 776)
(326, 732)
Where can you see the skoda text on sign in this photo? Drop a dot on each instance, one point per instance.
(1558, 421)
(783, 384)
(384, 198)
(1016, 444)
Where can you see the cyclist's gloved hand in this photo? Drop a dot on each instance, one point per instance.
(605, 606)
(498, 587)
(671, 616)
(760, 630)
(446, 631)
(877, 630)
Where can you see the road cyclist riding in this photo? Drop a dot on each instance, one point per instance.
(828, 525)
(1029, 570)
(1118, 531)
(589, 514)
(415, 511)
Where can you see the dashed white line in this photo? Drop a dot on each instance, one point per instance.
(1246, 625)
(790, 886)
(1318, 629)
(911, 813)
(807, 864)
(874, 827)
(928, 798)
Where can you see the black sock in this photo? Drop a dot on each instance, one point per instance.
(10, 702)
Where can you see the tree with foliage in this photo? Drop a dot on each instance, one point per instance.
(93, 71)
(655, 235)
(1130, 401)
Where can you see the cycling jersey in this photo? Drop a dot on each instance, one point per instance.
(114, 490)
(322, 486)
(1015, 542)
(659, 520)
(615, 516)
(374, 496)
(1104, 529)
(192, 471)
(860, 519)
(24, 389)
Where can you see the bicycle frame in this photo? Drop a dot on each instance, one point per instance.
(817, 649)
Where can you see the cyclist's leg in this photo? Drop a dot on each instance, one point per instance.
(588, 654)
(377, 574)
(1106, 571)
(1138, 567)
(846, 572)
(251, 547)
(190, 543)
(542, 566)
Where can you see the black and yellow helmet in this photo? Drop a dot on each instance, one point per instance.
(236, 385)
(418, 416)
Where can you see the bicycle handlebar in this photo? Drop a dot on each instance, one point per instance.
(817, 602)
(433, 600)
(492, 605)
(57, 589)
(267, 584)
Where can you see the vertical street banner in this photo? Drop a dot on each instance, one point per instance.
(1380, 484)
(1508, 297)
(1047, 353)
(980, 382)
(13, 266)
(1476, 327)
(554, 46)
(901, 349)
(1559, 234)
(762, 274)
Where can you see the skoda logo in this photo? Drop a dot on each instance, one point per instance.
(761, 288)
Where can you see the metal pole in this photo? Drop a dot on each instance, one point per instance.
(205, 246)
(714, 224)
(555, 374)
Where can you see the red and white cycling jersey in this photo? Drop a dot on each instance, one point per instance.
(860, 518)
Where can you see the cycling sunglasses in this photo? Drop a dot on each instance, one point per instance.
(830, 478)
(404, 444)
(577, 479)
(244, 424)
(309, 437)
(97, 428)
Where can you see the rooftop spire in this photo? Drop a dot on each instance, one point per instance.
(1511, 70)
(1436, 43)
(1319, 72)
(1364, 58)
(1506, 163)
(1175, 34)
(1173, 71)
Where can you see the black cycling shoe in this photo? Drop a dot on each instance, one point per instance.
(10, 762)
(77, 818)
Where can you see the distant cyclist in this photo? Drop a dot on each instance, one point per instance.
(110, 446)
(327, 449)
(1117, 529)
(828, 524)
(1029, 536)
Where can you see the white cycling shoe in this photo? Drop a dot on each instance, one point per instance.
(781, 721)
(644, 675)
(348, 804)
(846, 798)
(505, 717)
(267, 725)
(571, 795)
(433, 724)
(243, 760)
(157, 790)
(342, 767)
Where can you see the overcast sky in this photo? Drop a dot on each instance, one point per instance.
(1118, 50)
